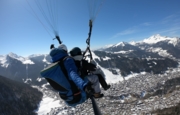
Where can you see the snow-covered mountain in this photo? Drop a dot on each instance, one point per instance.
(158, 38)
(161, 45)
(23, 68)
(4, 59)
(154, 54)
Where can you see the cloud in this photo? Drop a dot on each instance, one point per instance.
(125, 32)
(147, 24)
(175, 18)
(169, 25)
(132, 30)
(170, 31)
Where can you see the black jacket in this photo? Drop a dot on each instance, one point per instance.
(85, 67)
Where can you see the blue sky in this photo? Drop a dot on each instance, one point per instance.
(21, 32)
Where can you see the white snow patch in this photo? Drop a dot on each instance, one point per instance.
(121, 52)
(132, 43)
(27, 61)
(106, 58)
(124, 52)
(39, 79)
(44, 60)
(111, 78)
(20, 58)
(160, 51)
(173, 41)
(119, 44)
(155, 38)
(44, 85)
(27, 80)
(3, 61)
(95, 56)
(46, 104)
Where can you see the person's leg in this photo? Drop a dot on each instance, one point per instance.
(103, 82)
(95, 83)
(101, 77)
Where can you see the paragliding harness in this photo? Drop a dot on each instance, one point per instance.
(57, 77)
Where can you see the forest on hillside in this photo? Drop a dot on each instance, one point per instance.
(18, 98)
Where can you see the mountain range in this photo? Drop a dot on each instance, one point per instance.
(155, 54)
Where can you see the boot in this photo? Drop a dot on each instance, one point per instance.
(103, 82)
(98, 95)
(107, 87)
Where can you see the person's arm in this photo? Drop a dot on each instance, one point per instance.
(73, 74)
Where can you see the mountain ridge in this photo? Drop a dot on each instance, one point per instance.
(122, 58)
(154, 39)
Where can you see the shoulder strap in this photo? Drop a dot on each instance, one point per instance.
(73, 85)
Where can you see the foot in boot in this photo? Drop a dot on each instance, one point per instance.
(108, 86)
(98, 95)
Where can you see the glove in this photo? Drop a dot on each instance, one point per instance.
(88, 89)
(52, 46)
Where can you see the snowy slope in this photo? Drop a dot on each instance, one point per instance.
(3, 61)
(110, 77)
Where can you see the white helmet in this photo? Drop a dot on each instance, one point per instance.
(62, 46)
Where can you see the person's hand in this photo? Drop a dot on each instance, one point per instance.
(88, 89)
(52, 46)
